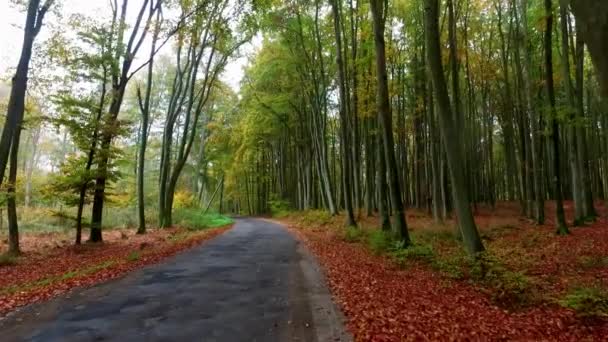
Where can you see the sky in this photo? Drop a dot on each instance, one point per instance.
(11, 34)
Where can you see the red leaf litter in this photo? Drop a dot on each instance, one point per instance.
(43, 273)
(385, 302)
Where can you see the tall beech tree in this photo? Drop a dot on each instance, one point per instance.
(560, 217)
(447, 128)
(385, 121)
(11, 131)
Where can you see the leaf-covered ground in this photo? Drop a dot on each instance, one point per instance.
(385, 300)
(51, 266)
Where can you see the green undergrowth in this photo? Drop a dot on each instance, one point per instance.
(58, 278)
(195, 219)
(58, 220)
(279, 208)
(315, 217)
(590, 300)
(439, 250)
(8, 260)
(134, 256)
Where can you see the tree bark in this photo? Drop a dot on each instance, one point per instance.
(561, 227)
(386, 121)
(451, 140)
(345, 143)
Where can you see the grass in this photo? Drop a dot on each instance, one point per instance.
(54, 279)
(315, 217)
(353, 234)
(593, 261)
(587, 300)
(51, 220)
(8, 260)
(194, 219)
(134, 256)
(438, 248)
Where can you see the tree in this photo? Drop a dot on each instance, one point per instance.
(450, 139)
(344, 121)
(120, 75)
(385, 121)
(11, 132)
(560, 217)
(592, 17)
(144, 107)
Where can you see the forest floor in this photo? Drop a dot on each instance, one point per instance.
(529, 285)
(51, 265)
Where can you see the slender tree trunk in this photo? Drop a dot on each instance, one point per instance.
(13, 226)
(346, 162)
(592, 16)
(579, 215)
(560, 219)
(581, 134)
(16, 102)
(145, 119)
(386, 122)
(451, 141)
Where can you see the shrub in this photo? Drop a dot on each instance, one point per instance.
(184, 199)
(8, 260)
(279, 207)
(593, 261)
(508, 287)
(587, 300)
(316, 217)
(434, 233)
(380, 241)
(194, 219)
(133, 256)
(353, 234)
(415, 252)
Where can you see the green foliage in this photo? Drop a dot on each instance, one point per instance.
(593, 261)
(434, 234)
(316, 217)
(353, 234)
(587, 300)
(7, 260)
(134, 256)
(414, 252)
(194, 219)
(380, 241)
(508, 287)
(278, 207)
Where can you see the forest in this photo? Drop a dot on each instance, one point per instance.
(400, 124)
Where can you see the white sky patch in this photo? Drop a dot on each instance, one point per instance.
(11, 35)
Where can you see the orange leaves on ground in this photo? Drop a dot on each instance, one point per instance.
(384, 302)
(56, 270)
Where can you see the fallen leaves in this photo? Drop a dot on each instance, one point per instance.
(386, 303)
(41, 276)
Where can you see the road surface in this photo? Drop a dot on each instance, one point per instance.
(253, 283)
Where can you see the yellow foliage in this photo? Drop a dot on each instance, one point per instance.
(183, 199)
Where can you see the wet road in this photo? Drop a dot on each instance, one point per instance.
(253, 283)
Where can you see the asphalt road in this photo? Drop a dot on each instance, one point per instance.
(253, 283)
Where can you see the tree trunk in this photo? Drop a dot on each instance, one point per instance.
(577, 186)
(346, 162)
(592, 16)
(13, 226)
(451, 141)
(386, 121)
(16, 101)
(560, 219)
